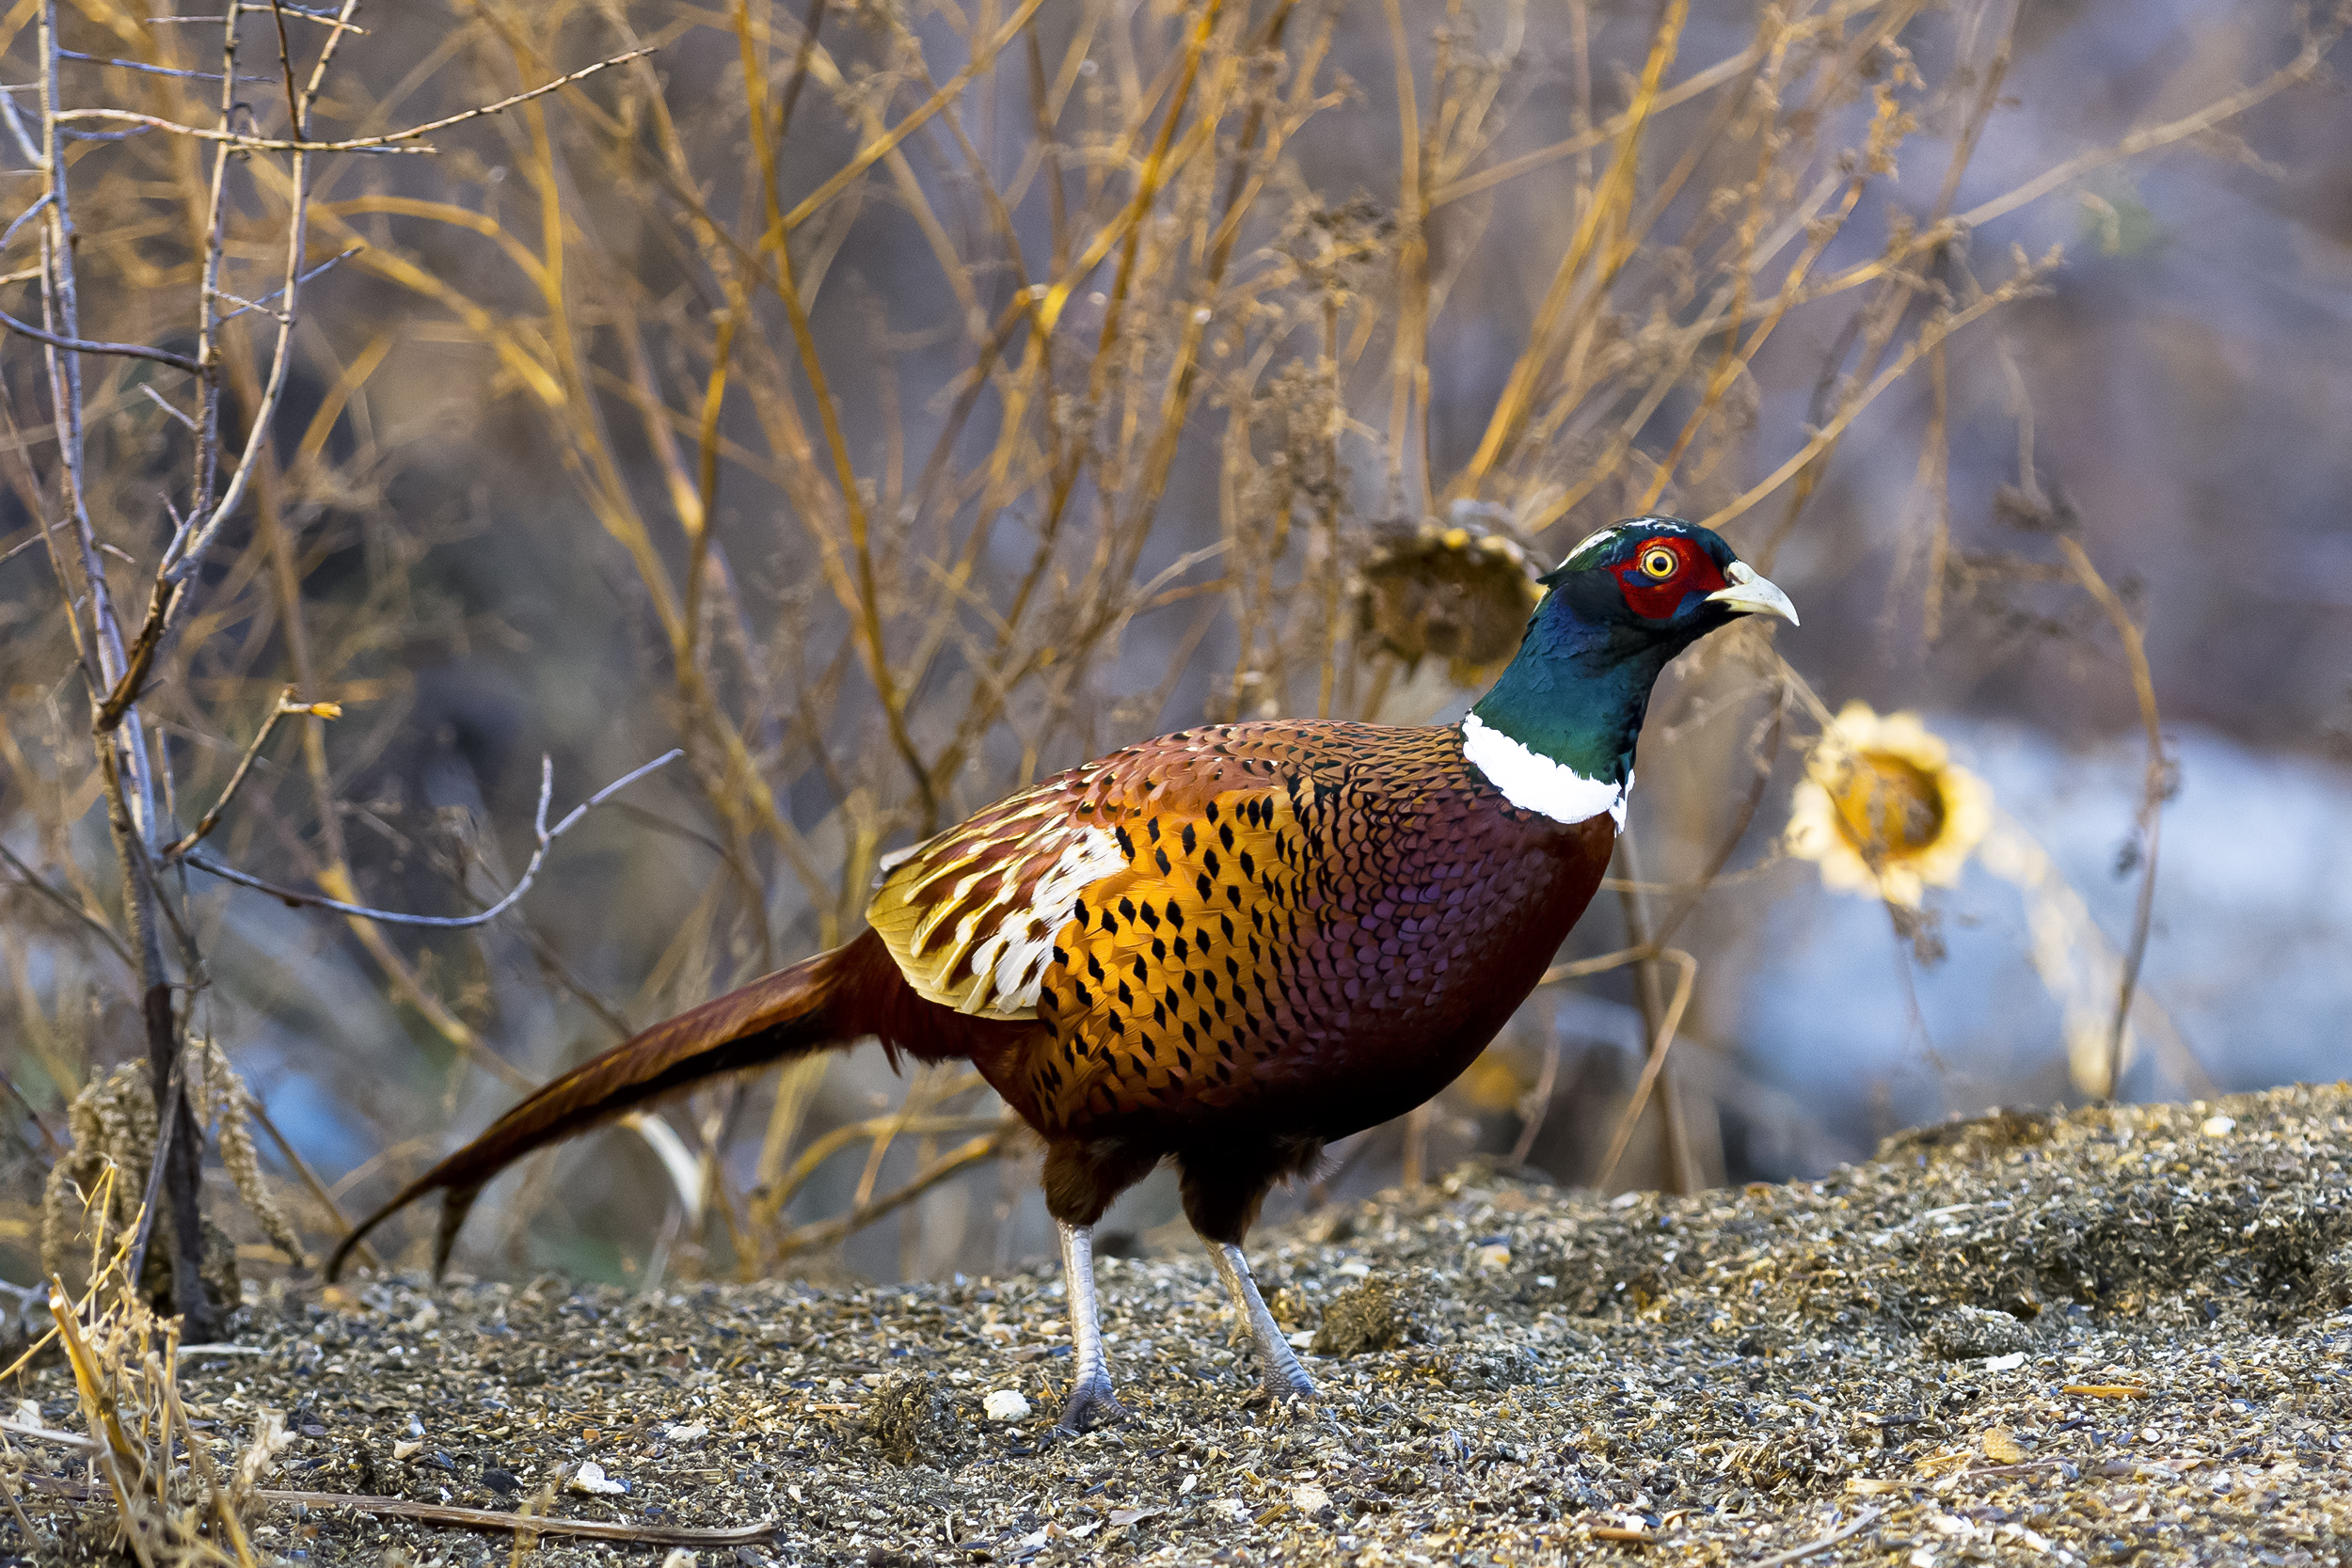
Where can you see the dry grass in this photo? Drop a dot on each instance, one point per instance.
(936, 397)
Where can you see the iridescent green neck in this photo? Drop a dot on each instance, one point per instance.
(1577, 692)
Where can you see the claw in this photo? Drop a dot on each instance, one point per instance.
(1090, 1403)
(1290, 1382)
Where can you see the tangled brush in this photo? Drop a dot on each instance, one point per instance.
(112, 1123)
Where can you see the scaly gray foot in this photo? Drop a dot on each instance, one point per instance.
(1090, 1398)
(1279, 1374)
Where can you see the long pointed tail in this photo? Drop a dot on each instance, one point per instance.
(790, 1013)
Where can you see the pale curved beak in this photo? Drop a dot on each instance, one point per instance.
(1750, 594)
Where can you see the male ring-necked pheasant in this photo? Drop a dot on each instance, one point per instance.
(1227, 946)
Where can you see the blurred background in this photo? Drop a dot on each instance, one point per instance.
(890, 404)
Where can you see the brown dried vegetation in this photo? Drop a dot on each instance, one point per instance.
(934, 401)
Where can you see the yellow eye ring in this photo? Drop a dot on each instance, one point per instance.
(1659, 562)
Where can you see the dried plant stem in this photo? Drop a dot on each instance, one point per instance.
(983, 58)
(2306, 65)
(1580, 968)
(929, 1087)
(310, 1178)
(1675, 1156)
(201, 1459)
(826, 1232)
(859, 593)
(23, 1522)
(1697, 85)
(1537, 1106)
(1408, 373)
(1519, 394)
(2155, 785)
(772, 1203)
(538, 1523)
(1823, 438)
(1688, 967)
(117, 1459)
(1853, 1528)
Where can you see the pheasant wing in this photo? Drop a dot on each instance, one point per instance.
(971, 916)
(1193, 919)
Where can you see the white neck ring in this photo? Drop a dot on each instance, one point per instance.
(1533, 782)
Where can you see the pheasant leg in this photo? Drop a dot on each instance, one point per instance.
(1090, 1398)
(1284, 1377)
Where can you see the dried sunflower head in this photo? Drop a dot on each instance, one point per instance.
(1884, 809)
(1453, 593)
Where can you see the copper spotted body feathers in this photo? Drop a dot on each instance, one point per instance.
(1225, 946)
(1272, 898)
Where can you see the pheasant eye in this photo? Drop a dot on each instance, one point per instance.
(1659, 562)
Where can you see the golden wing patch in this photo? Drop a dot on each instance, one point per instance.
(970, 917)
(1175, 979)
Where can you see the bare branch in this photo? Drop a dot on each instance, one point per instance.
(167, 1104)
(24, 142)
(262, 303)
(39, 206)
(189, 545)
(285, 63)
(150, 69)
(286, 706)
(303, 12)
(84, 345)
(40, 884)
(546, 836)
(523, 1524)
(387, 142)
(167, 407)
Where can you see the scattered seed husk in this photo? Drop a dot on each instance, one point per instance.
(1724, 1379)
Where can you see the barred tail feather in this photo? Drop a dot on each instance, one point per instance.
(789, 1013)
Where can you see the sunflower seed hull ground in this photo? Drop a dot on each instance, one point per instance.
(2111, 1337)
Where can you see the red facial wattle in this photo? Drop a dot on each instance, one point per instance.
(1655, 597)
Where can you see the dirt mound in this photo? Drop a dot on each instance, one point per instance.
(1377, 1315)
(2108, 1336)
(912, 1420)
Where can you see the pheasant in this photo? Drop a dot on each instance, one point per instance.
(1225, 947)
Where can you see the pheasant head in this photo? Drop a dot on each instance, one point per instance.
(1556, 734)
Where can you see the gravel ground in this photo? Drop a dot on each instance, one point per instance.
(2098, 1337)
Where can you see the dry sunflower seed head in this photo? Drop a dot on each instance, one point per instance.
(1456, 593)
